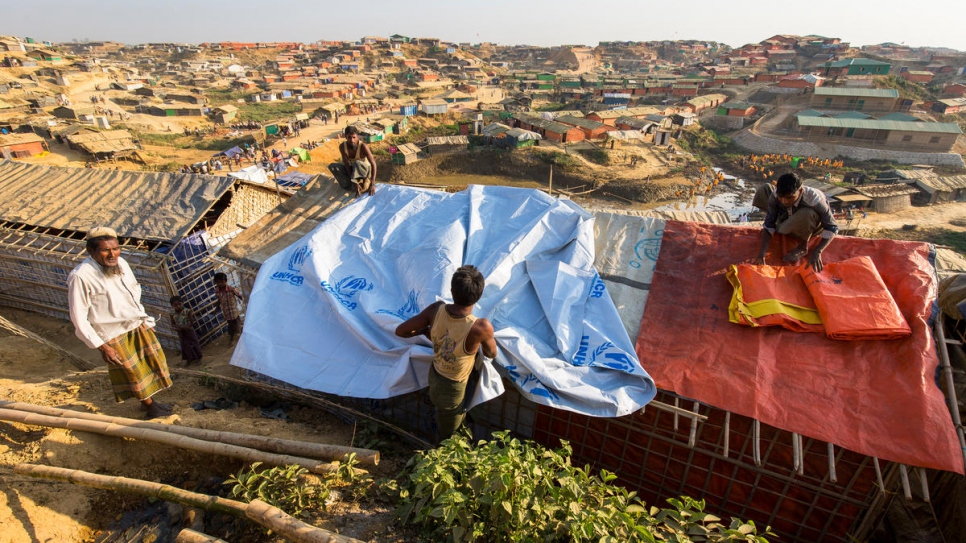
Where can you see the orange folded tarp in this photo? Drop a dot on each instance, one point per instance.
(854, 302)
(772, 296)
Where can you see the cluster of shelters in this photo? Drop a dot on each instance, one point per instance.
(168, 224)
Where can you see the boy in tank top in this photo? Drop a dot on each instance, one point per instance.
(456, 335)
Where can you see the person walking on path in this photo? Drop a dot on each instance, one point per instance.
(104, 300)
(183, 320)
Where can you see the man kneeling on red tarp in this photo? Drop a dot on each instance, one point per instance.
(800, 212)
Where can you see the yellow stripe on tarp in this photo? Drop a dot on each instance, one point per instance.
(740, 312)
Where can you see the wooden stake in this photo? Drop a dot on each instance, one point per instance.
(173, 440)
(320, 451)
(267, 516)
(727, 432)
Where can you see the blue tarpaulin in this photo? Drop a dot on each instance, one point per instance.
(294, 179)
(343, 288)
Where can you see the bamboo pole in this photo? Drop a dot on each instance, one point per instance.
(265, 515)
(904, 476)
(165, 438)
(188, 535)
(693, 436)
(75, 360)
(319, 451)
(550, 183)
(832, 477)
(301, 396)
(947, 370)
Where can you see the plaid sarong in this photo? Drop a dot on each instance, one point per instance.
(144, 370)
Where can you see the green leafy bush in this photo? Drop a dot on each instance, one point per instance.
(292, 489)
(285, 488)
(507, 490)
(597, 156)
(562, 160)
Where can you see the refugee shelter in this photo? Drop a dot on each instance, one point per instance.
(406, 153)
(21, 145)
(755, 447)
(106, 145)
(439, 145)
(933, 188)
(889, 197)
(167, 223)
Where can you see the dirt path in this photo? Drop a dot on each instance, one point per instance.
(34, 510)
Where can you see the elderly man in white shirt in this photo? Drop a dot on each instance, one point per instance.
(105, 307)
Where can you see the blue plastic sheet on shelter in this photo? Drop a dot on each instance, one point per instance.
(343, 288)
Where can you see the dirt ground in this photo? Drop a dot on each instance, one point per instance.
(34, 510)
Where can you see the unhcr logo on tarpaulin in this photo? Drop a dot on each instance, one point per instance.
(293, 275)
(347, 288)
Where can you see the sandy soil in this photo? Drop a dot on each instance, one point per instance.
(34, 510)
(951, 216)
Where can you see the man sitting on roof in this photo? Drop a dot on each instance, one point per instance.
(359, 164)
(800, 212)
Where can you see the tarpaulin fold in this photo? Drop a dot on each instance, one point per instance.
(854, 302)
(771, 296)
(323, 311)
(878, 398)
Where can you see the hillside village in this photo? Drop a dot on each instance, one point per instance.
(816, 96)
(216, 156)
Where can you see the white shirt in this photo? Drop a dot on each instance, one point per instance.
(103, 306)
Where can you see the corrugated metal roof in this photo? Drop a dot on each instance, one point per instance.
(886, 190)
(589, 124)
(948, 183)
(874, 124)
(852, 91)
(736, 105)
(908, 174)
(897, 116)
(142, 205)
(111, 141)
(289, 221)
(14, 139)
(852, 115)
(448, 140)
(852, 197)
(857, 61)
(553, 126)
(707, 99)
(409, 149)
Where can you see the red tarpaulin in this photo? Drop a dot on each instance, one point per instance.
(877, 398)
